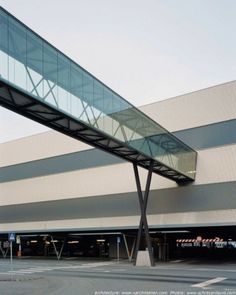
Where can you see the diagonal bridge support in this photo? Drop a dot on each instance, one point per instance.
(143, 231)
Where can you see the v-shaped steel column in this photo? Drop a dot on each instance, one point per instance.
(143, 200)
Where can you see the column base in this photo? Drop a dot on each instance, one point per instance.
(143, 258)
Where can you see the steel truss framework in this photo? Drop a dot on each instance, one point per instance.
(22, 103)
(67, 98)
(125, 119)
(128, 124)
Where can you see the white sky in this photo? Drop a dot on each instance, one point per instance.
(146, 50)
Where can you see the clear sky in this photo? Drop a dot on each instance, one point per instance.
(146, 50)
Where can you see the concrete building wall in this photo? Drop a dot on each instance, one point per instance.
(52, 182)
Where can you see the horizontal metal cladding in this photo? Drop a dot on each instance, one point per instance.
(38, 146)
(202, 137)
(202, 107)
(209, 136)
(201, 198)
(70, 162)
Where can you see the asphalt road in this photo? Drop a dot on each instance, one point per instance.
(77, 277)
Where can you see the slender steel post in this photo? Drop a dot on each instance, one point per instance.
(143, 199)
(11, 260)
(62, 247)
(132, 250)
(55, 248)
(118, 248)
(126, 246)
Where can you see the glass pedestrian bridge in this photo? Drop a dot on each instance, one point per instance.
(41, 83)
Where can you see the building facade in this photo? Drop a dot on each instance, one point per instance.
(51, 183)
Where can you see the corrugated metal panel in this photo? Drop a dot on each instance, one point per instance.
(203, 107)
(214, 166)
(38, 146)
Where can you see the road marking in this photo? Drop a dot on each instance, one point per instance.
(95, 264)
(40, 269)
(27, 271)
(24, 271)
(209, 282)
(30, 270)
(195, 269)
(17, 272)
(8, 274)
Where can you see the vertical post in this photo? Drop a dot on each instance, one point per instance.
(11, 260)
(19, 251)
(165, 248)
(11, 252)
(118, 248)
